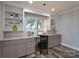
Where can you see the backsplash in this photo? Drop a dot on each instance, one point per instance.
(18, 34)
(12, 34)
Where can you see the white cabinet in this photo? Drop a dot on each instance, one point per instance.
(9, 51)
(14, 48)
(0, 50)
(21, 48)
(54, 40)
(30, 45)
(17, 48)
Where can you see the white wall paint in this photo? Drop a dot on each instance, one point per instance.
(1, 21)
(68, 26)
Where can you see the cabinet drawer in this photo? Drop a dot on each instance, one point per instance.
(21, 41)
(21, 49)
(30, 43)
(28, 51)
(22, 54)
(32, 49)
(11, 42)
(10, 51)
(50, 44)
(30, 40)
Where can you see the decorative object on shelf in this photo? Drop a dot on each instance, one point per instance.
(52, 22)
(11, 16)
(16, 15)
(14, 27)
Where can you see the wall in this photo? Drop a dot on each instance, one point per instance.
(68, 25)
(1, 21)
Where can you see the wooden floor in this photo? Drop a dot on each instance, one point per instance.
(56, 52)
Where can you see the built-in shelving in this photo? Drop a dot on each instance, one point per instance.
(53, 24)
(13, 17)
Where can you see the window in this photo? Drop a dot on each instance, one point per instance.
(34, 24)
(40, 24)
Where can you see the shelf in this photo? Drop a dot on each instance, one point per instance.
(8, 18)
(12, 31)
(12, 24)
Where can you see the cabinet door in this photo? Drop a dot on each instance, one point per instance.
(21, 49)
(28, 51)
(50, 44)
(30, 42)
(57, 40)
(9, 51)
(50, 41)
(30, 45)
(0, 51)
(54, 40)
(32, 49)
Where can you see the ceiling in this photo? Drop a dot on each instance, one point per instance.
(59, 6)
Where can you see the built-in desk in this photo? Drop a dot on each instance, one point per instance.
(17, 47)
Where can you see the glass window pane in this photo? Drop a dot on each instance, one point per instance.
(31, 24)
(40, 23)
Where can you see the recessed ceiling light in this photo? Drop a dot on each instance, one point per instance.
(44, 4)
(30, 1)
(53, 9)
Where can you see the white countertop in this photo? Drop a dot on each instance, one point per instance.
(17, 38)
(22, 37)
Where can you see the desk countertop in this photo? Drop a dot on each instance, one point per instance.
(24, 37)
(17, 38)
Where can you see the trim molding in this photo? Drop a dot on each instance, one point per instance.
(64, 12)
(77, 49)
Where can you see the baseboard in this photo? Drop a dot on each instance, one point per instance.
(77, 49)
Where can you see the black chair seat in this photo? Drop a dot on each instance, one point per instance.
(42, 45)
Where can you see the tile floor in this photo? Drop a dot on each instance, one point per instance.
(56, 52)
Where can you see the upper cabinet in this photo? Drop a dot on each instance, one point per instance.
(13, 18)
